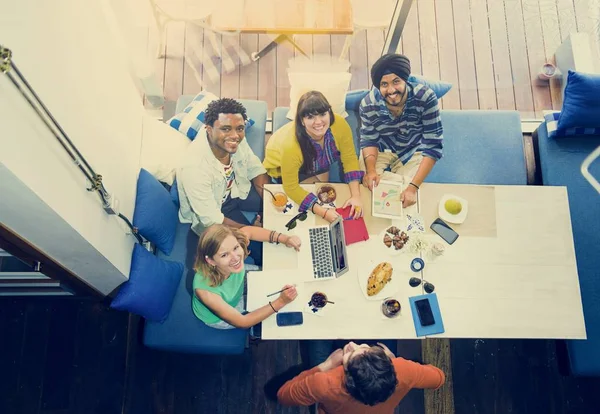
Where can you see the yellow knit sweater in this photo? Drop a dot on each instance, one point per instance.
(284, 157)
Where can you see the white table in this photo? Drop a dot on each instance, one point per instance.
(517, 281)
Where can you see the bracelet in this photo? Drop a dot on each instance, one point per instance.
(272, 237)
(370, 155)
(271, 305)
(312, 208)
(278, 236)
(414, 185)
(325, 213)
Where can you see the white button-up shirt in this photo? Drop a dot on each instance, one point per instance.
(201, 182)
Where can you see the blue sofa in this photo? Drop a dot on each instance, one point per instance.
(560, 160)
(182, 331)
(480, 147)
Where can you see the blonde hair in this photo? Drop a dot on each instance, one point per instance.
(208, 246)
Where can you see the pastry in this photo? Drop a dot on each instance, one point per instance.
(379, 277)
(394, 230)
(387, 240)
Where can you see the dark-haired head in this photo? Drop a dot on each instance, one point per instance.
(311, 106)
(223, 106)
(370, 377)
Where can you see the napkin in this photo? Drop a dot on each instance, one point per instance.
(354, 230)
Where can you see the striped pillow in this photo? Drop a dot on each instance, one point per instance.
(551, 118)
(191, 120)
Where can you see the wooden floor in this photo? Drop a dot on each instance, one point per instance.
(490, 50)
(75, 356)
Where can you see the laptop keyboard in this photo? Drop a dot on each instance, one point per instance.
(321, 252)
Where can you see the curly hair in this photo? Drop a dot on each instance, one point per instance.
(209, 244)
(370, 377)
(223, 106)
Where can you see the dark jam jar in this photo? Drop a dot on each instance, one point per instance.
(318, 299)
(390, 307)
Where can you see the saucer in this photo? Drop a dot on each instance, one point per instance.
(453, 218)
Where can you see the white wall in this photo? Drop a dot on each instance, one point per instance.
(65, 50)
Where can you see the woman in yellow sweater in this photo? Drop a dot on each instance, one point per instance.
(302, 152)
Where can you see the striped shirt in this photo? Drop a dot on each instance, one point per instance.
(418, 128)
(326, 156)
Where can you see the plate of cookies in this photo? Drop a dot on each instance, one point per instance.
(377, 280)
(394, 240)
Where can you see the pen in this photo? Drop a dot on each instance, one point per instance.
(279, 291)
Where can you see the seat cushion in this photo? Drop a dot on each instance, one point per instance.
(182, 331)
(481, 147)
(256, 111)
(560, 161)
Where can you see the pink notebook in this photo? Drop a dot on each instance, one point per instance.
(354, 230)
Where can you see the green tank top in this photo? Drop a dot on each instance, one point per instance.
(231, 290)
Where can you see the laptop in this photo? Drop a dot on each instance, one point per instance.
(323, 254)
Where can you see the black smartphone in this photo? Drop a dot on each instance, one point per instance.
(289, 318)
(444, 231)
(424, 311)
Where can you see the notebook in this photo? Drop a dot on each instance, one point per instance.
(354, 230)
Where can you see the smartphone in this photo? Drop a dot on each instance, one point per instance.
(289, 318)
(444, 231)
(424, 311)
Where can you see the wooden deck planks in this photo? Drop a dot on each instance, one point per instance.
(519, 59)
(491, 50)
(447, 52)
(465, 55)
(536, 55)
(230, 80)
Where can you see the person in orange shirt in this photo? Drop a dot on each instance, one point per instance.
(359, 379)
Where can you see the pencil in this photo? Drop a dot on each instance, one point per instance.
(279, 291)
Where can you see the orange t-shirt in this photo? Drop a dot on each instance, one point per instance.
(327, 388)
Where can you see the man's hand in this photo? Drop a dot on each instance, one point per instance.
(334, 360)
(409, 196)
(257, 221)
(369, 178)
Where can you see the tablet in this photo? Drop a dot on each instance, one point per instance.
(385, 199)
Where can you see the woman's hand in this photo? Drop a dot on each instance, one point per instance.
(289, 294)
(293, 242)
(356, 211)
(330, 215)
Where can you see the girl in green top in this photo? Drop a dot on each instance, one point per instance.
(219, 281)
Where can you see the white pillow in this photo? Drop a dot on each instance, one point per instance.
(162, 149)
(333, 85)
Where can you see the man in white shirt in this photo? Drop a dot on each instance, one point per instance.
(220, 175)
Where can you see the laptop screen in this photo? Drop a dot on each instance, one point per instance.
(338, 243)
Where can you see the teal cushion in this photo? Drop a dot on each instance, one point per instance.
(151, 287)
(440, 88)
(155, 214)
(581, 106)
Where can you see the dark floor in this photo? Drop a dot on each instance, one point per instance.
(76, 356)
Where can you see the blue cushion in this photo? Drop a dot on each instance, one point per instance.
(257, 118)
(551, 118)
(481, 147)
(353, 99)
(560, 161)
(151, 287)
(182, 331)
(581, 104)
(155, 215)
(440, 88)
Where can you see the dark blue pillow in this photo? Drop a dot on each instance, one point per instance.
(353, 99)
(581, 104)
(151, 287)
(155, 215)
(174, 193)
